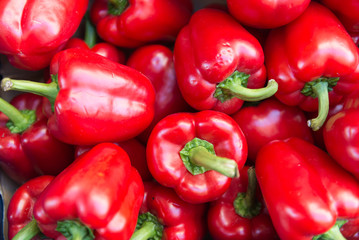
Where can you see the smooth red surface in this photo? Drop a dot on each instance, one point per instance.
(271, 120)
(266, 13)
(207, 51)
(181, 220)
(225, 224)
(100, 189)
(19, 212)
(174, 131)
(99, 100)
(104, 49)
(156, 63)
(141, 21)
(309, 192)
(312, 46)
(32, 31)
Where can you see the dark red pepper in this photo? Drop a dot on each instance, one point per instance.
(164, 215)
(156, 63)
(94, 99)
(216, 59)
(306, 192)
(271, 120)
(133, 23)
(97, 197)
(197, 154)
(19, 212)
(266, 14)
(27, 147)
(32, 31)
(309, 58)
(239, 214)
(135, 150)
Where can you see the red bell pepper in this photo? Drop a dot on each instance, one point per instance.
(164, 215)
(271, 120)
(32, 31)
(97, 197)
(89, 42)
(266, 14)
(308, 195)
(131, 23)
(347, 11)
(27, 149)
(156, 63)
(309, 57)
(239, 214)
(135, 150)
(216, 59)
(94, 99)
(350, 230)
(341, 136)
(19, 213)
(197, 154)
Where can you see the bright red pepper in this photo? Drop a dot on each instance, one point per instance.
(271, 120)
(131, 23)
(341, 136)
(239, 214)
(135, 150)
(19, 213)
(164, 215)
(191, 153)
(306, 192)
(156, 63)
(266, 14)
(347, 11)
(308, 57)
(97, 197)
(215, 60)
(27, 147)
(32, 31)
(94, 99)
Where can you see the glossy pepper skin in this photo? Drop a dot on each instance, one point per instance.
(310, 193)
(100, 191)
(174, 218)
(271, 120)
(347, 12)
(27, 147)
(32, 31)
(94, 99)
(309, 58)
(212, 49)
(341, 137)
(173, 159)
(239, 214)
(131, 23)
(156, 63)
(266, 14)
(19, 212)
(135, 150)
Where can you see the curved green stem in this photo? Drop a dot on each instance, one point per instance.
(48, 90)
(246, 204)
(27, 232)
(90, 33)
(75, 230)
(116, 7)
(202, 157)
(333, 233)
(147, 231)
(321, 91)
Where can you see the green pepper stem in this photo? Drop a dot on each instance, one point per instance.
(201, 157)
(15, 116)
(333, 234)
(321, 90)
(116, 7)
(252, 95)
(90, 33)
(27, 232)
(147, 231)
(48, 90)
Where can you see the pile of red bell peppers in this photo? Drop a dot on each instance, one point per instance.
(181, 120)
